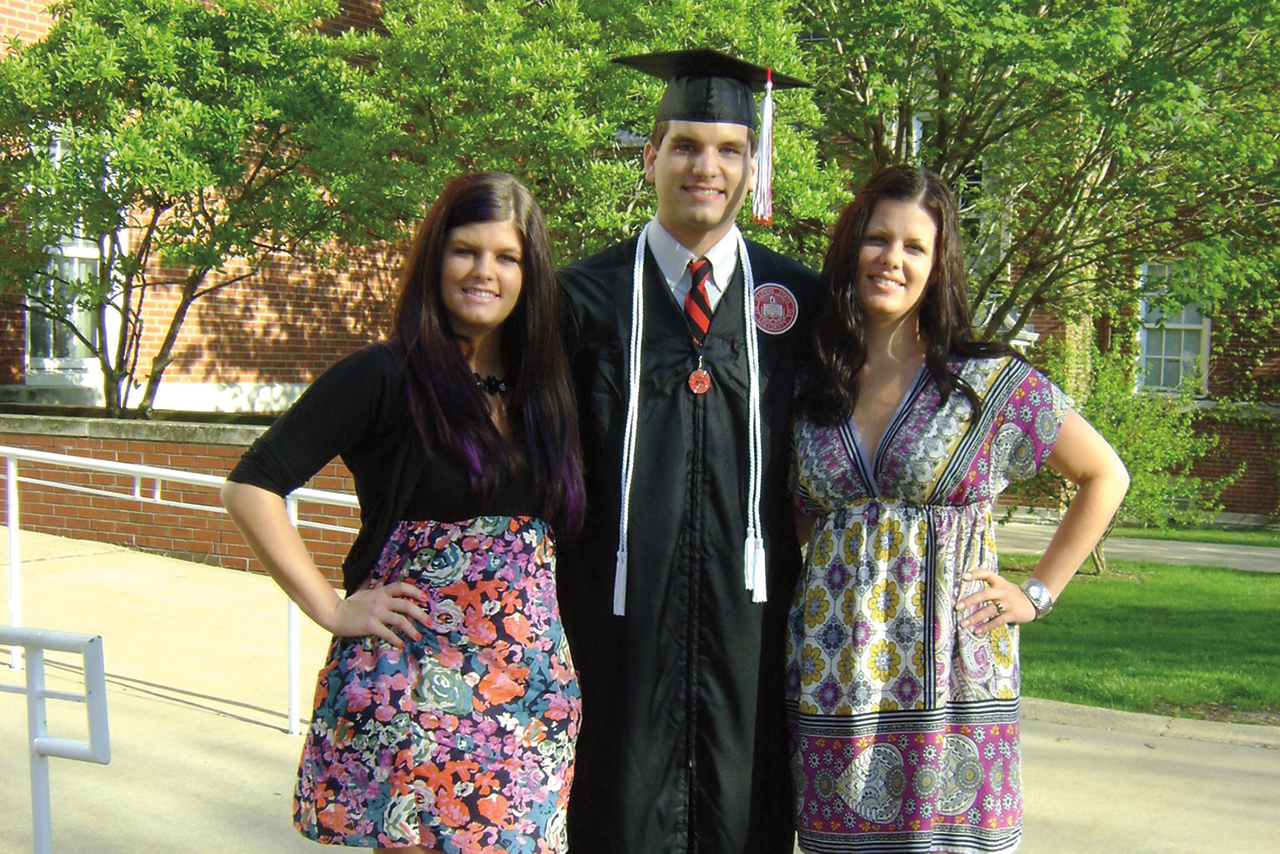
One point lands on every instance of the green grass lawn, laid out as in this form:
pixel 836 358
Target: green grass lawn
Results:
pixel 1149 637
pixel 1226 536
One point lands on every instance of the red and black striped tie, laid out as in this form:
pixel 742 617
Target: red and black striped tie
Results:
pixel 697 308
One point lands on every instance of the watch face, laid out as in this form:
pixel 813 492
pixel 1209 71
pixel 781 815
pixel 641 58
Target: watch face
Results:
pixel 1039 596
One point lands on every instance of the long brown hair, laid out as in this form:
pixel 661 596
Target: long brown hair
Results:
pixel 839 350
pixel 451 412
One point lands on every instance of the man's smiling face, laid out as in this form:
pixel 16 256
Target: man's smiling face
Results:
pixel 701 171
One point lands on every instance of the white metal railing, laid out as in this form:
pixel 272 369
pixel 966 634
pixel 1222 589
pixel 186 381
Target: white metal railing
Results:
pixel 40 744
pixel 157 476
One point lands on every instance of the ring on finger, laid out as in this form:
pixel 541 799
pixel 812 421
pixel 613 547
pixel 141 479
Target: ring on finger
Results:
pixel 999 607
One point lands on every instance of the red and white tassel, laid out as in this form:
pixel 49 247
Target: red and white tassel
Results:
pixel 762 193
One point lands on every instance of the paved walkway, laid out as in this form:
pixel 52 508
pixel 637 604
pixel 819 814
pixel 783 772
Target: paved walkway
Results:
pixel 195 660
pixel 1029 537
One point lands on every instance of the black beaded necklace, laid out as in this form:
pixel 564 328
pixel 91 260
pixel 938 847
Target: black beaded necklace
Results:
pixel 491 384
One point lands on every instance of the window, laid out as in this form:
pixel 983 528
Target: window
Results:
pixel 1175 343
pixel 51 345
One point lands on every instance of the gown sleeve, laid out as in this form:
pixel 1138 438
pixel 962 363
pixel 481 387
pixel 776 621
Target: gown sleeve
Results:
pixel 1024 434
pixel 339 412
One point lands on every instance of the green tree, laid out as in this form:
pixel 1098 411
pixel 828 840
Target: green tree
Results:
pixel 1084 138
pixel 193 143
pixel 529 88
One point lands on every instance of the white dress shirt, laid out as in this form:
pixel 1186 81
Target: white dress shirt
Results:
pixel 673 260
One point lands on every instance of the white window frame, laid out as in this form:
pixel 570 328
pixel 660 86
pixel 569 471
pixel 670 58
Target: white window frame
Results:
pixel 73 370
pixel 1150 273
pixel 83 251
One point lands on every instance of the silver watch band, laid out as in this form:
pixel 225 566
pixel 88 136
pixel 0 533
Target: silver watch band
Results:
pixel 1039 595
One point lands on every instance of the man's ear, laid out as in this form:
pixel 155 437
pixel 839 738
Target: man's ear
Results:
pixel 650 155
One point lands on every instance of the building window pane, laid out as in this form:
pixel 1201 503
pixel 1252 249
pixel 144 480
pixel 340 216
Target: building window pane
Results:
pixel 52 344
pixel 1173 346
pixel 1151 376
pixel 53 340
pixel 1155 342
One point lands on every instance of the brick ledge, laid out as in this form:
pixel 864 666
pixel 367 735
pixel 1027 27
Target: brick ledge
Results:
pixel 113 428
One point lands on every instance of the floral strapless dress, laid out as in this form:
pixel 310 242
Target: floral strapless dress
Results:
pixel 462 741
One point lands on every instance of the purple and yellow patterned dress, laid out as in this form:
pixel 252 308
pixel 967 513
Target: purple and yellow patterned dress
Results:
pixel 904 725
pixel 462 741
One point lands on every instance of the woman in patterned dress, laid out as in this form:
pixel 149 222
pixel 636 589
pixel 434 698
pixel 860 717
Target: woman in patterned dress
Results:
pixel 903 677
pixel 447 712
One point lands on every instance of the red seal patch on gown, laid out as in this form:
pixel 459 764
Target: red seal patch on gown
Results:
pixel 775 308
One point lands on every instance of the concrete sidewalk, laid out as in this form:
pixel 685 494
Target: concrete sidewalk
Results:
pixel 1031 538
pixel 195 660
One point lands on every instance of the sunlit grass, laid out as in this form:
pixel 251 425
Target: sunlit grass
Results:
pixel 1225 536
pixel 1149 636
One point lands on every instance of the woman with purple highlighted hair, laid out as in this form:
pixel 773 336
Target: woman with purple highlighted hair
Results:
pixel 447 712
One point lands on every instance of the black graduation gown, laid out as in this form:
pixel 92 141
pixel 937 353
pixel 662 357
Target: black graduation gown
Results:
pixel 683 746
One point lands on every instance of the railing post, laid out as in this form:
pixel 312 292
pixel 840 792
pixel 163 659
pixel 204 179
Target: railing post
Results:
pixel 15 553
pixel 40 744
pixel 295 639
pixel 41 812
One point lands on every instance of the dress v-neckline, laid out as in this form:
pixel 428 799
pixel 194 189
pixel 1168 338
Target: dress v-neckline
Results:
pixel 870 462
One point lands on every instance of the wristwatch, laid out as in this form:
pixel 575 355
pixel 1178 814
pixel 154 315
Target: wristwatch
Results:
pixel 1041 598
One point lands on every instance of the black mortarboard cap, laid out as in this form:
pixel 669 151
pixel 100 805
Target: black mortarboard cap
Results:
pixel 708 86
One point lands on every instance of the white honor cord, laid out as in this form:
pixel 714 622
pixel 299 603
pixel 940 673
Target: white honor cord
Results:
pixel 753 549
pixel 633 417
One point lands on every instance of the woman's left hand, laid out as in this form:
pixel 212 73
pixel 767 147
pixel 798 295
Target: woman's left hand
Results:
pixel 1002 602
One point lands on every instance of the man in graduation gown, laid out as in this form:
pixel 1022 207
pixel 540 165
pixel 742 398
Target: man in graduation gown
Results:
pixel 678 636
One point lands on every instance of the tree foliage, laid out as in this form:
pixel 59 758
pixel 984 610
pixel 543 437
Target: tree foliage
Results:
pixel 1084 138
pixel 199 140
pixel 191 143
pixel 530 89
pixel 1154 433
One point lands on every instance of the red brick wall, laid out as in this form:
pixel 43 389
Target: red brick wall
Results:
pixel 1256 445
pixel 189 534
pixel 285 325
pixel 358 15
pixel 24 20
pixel 1246 364
pixel 13 336
pixel 1246 357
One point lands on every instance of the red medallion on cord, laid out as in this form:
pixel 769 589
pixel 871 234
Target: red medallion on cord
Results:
pixel 775 308
pixel 699 381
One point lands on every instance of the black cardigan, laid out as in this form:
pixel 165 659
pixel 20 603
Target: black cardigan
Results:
pixel 359 410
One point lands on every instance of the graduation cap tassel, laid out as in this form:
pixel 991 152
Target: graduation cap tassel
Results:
pixel 762 193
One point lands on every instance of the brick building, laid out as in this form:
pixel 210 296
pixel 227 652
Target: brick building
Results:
pixel 252 347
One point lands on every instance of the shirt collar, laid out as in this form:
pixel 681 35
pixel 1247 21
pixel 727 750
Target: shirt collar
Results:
pixel 673 258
